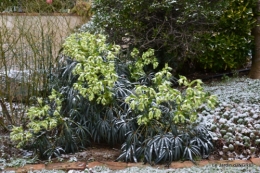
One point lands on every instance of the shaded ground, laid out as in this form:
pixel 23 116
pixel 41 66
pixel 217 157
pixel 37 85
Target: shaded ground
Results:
pixel 7 150
pixel 210 77
pixel 97 152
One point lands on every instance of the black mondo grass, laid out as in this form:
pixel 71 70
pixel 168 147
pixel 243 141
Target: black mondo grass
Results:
pixel 132 148
pixel 160 148
pixel 166 147
pixel 191 151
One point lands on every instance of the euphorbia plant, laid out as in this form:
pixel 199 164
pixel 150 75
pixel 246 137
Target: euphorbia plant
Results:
pixel 147 100
pixel 95 65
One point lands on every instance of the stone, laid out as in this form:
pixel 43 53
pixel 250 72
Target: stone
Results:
pixel 93 164
pixel 110 165
pixel 139 165
pixel 67 166
pixel 186 164
pixel 27 168
pixel 255 161
pixel 115 165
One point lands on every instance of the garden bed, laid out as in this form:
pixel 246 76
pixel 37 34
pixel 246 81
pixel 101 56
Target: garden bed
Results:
pixel 239 96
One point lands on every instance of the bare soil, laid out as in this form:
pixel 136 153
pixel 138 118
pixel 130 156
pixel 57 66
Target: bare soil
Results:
pixel 97 152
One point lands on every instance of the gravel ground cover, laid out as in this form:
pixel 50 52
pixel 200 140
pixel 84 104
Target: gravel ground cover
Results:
pixel 205 169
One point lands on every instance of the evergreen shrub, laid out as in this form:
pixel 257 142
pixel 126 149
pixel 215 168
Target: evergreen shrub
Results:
pixel 104 95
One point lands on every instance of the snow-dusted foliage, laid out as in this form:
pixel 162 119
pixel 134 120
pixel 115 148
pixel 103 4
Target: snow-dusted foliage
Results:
pixel 236 120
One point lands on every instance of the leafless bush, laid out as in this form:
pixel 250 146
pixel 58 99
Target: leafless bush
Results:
pixel 29 45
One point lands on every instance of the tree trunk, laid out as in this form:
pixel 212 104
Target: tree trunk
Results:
pixel 255 68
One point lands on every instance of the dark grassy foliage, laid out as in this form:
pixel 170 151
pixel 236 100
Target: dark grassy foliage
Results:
pixel 166 147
